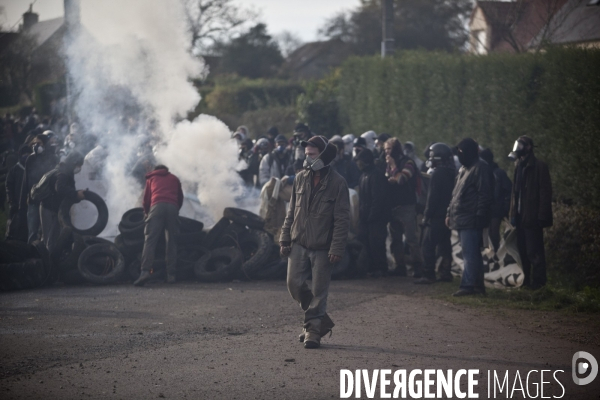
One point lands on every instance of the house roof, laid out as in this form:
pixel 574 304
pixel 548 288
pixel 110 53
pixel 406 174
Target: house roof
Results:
pixel 314 59
pixel 43 30
pixel 520 21
pixel 576 22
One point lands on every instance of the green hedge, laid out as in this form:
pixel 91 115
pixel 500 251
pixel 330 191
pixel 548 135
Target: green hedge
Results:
pixel 554 97
pixel 244 95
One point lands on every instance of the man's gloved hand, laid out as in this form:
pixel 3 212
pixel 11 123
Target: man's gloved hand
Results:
pixel 285 249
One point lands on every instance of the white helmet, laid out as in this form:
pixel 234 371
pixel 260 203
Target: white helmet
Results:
pixel 370 137
pixel 348 143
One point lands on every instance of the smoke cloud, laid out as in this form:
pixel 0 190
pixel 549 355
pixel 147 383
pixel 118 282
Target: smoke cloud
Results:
pixel 130 79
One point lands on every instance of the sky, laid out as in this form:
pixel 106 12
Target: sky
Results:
pixel 301 17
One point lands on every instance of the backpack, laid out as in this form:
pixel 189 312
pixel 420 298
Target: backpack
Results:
pixel 45 187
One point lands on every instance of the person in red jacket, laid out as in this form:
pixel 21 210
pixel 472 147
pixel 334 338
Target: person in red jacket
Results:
pixel 163 198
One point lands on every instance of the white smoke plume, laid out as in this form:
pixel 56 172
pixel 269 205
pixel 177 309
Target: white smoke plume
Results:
pixel 130 75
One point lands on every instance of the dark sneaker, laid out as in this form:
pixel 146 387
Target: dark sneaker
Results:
pixel 464 292
pixel 312 341
pixel 144 277
pixel 423 281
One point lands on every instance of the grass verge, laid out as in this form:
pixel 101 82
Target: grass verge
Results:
pixel 549 298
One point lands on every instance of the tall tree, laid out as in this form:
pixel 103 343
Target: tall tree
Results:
pixel 426 24
pixel 212 21
pixel 253 54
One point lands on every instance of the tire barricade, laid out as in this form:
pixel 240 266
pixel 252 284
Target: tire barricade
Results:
pixel 235 248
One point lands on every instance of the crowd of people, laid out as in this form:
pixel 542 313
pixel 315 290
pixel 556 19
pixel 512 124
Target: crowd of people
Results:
pixel 418 202
pixel 415 202
pixel 40 157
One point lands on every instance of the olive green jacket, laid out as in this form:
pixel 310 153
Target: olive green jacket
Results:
pixel 324 223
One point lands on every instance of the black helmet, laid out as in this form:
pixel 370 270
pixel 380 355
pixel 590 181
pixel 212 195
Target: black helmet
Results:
pixel 440 153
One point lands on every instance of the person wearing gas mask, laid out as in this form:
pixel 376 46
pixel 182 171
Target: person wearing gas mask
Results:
pixel 404 183
pixel 469 213
pixel 37 164
pixel 248 155
pixel 436 235
pixel 531 210
pixel 314 235
pixel 274 163
pixel 373 214
pixel 17 218
pixel 344 165
pixel 63 185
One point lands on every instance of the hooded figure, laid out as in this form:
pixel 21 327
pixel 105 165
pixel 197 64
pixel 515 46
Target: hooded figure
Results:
pixel 531 211
pixel 348 143
pixel 469 213
pixel 370 138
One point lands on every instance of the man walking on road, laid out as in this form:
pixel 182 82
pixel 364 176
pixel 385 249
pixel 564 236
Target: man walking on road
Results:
pixel 163 198
pixel 314 235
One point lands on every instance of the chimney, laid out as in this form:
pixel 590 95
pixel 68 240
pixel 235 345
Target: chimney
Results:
pixel 387 19
pixel 72 13
pixel 30 18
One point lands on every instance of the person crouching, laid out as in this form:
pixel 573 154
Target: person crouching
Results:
pixel 163 198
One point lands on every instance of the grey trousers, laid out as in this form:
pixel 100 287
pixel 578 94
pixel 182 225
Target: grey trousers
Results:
pixel 312 300
pixel 163 217
pixel 50 227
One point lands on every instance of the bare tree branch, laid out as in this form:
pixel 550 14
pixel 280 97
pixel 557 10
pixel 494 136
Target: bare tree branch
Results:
pixel 210 21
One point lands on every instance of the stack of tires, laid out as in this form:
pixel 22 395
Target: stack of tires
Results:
pixel 79 255
pixel 24 266
pixel 239 248
pixel 130 243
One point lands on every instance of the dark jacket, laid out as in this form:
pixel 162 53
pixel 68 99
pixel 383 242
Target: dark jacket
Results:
pixel 64 188
pixel 348 170
pixel 535 192
pixel 406 193
pixel 502 193
pixel 471 202
pixel 36 166
pixel 372 192
pixel 324 222
pixel 439 194
pixel 162 187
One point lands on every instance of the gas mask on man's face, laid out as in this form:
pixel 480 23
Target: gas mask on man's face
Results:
pixel 38 148
pixel 314 164
pixel 518 150
pixel 77 170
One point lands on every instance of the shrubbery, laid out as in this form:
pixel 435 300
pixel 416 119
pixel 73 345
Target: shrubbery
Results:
pixel 573 246
pixel 235 97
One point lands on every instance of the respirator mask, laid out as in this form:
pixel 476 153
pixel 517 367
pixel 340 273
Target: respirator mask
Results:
pixel 38 148
pixel 517 151
pixel 315 164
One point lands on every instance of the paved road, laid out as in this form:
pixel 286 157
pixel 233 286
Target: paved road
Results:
pixel 239 341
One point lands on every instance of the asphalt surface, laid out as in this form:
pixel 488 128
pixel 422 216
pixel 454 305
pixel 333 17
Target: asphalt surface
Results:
pixel 239 341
